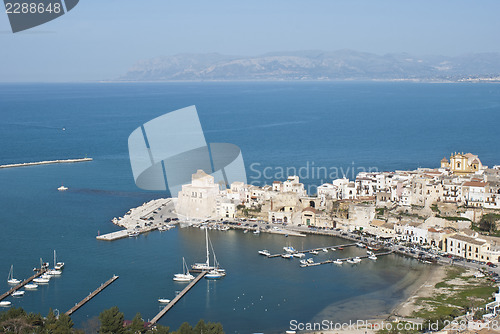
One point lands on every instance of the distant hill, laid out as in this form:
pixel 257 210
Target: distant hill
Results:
pixel 315 65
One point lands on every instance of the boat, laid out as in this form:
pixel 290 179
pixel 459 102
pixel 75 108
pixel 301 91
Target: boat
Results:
pixel 337 261
pixel 41 280
pixel 360 245
pixel 133 233
pixel 372 257
pixel 314 252
pixel 245 231
pixel 256 232
pixel 369 252
pixel 17 294
pixel 163 301
pixel 264 252
pixel 215 274
pixel 205 266
pixel 340 248
pixel 303 261
pixel 165 227
pixel 54 272
pixel 299 255
pixel 357 259
pixel 31 286
pixel 5 303
pixel 310 260
pixel 185 276
pixel 62 188
pixel 289 249
pixel 47 276
pixel 59 266
pixel 333 249
pixel 287 256
pixel 325 250
pixel 351 261
pixel 10 278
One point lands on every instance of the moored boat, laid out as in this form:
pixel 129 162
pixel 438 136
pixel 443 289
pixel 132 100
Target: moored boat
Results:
pixel 287 256
pixel 17 293
pixel 337 261
pixel 372 257
pixel 10 278
pixel 31 286
pixel 5 303
pixel 41 280
pixel 215 274
pixel 163 300
pixel 299 255
pixel 185 276
pixel 264 252
pixel 314 252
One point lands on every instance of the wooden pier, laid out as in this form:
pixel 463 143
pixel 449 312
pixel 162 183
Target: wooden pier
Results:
pixel 27 164
pixel 344 259
pixel 313 249
pixel 20 285
pixel 92 295
pixel 177 298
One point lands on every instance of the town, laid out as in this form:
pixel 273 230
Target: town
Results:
pixel 452 209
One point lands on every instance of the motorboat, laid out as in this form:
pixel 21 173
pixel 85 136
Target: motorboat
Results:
pixel 340 248
pixel 372 257
pixel 256 232
pixel 31 286
pixel 62 188
pixel 360 245
pixel 17 293
pixel 314 252
pixel 325 250
pixel 357 259
pixel 310 260
pixel 5 303
pixel 333 249
pixel 133 234
pixel 47 276
pixel 299 255
pixel 59 266
pixel 53 272
pixel 303 261
pixel 289 249
pixel 351 261
pixel 369 252
pixel 41 280
pixel 215 274
pixel 264 252
pixel 287 256
pixel 163 300
pixel 337 261
pixel 10 278
pixel 185 276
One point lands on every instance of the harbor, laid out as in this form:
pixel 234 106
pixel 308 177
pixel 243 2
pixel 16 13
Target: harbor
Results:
pixel 92 295
pixel 22 284
pixel 48 162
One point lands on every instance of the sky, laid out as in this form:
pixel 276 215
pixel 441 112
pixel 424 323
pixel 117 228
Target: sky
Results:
pixel 101 39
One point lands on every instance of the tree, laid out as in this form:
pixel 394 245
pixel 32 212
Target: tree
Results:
pixel 488 223
pixel 111 321
pixel 63 324
pixel 137 325
pixel 159 329
pixel 185 329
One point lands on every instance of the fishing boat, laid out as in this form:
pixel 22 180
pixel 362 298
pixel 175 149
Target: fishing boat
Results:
pixel 17 293
pixel 185 276
pixel 163 300
pixel 337 261
pixel 31 286
pixel 314 252
pixel 264 252
pixel 5 303
pixel 10 278
pixel 287 256
pixel 299 255
pixel 132 234
pixel 372 257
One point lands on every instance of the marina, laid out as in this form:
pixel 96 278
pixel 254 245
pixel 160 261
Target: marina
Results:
pixel 49 162
pixel 312 250
pixel 352 259
pixel 92 295
pixel 22 284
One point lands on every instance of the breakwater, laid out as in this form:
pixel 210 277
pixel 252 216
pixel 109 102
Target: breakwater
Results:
pixel 48 162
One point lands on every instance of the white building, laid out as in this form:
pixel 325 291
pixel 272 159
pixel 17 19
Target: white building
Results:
pixel 199 200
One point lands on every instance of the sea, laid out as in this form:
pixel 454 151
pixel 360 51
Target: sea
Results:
pixel 318 130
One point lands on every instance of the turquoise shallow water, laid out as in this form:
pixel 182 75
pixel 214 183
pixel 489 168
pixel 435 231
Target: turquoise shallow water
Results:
pixel 388 126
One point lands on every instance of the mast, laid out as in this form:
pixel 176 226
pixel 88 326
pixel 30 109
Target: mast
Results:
pixel 206 241
pixel 54 258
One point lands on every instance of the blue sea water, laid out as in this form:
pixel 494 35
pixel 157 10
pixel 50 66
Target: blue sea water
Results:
pixel 338 126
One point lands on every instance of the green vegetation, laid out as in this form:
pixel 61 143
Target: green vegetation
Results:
pixel 487 225
pixel 435 208
pixel 111 321
pixel 453 218
pixel 456 294
pixel 380 211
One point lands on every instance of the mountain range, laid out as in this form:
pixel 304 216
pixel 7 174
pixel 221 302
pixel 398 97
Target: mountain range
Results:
pixel 315 65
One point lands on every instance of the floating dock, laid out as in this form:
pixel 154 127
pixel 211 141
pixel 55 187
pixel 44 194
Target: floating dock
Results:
pixel 49 162
pixel 344 259
pixel 92 295
pixel 177 298
pixel 313 249
pixel 20 285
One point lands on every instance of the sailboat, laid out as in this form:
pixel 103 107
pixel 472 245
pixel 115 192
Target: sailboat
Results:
pixel 54 272
pixel 58 265
pixel 205 266
pixel 10 278
pixel 185 276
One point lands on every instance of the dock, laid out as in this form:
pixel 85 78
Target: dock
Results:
pixel 313 249
pixel 92 295
pixel 177 298
pixel 344 259
pixel 49 162
pixel 20 285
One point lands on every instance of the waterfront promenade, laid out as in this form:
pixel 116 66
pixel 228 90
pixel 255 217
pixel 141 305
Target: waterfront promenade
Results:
pixel 48 162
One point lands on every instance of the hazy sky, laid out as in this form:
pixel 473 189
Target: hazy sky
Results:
pixel 101 39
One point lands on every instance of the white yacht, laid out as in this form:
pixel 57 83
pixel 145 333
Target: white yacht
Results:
pixel 299 255
pixel 303 261
pixel 360 245
pixel 10 278
pixel 310 260
pixel 337 261
pixel 31 286
pixel 289 249
pixel 372 257
pixel 325 250
pixel 287 256
pixel 62 188
pixel 205 266
pixel 314 252
pixel 369 252
pixel 185 276
pixel 163 300
pixel 264 252
pixel 41 280
pixel 17 293
pixel 5 303
pixel 215 274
